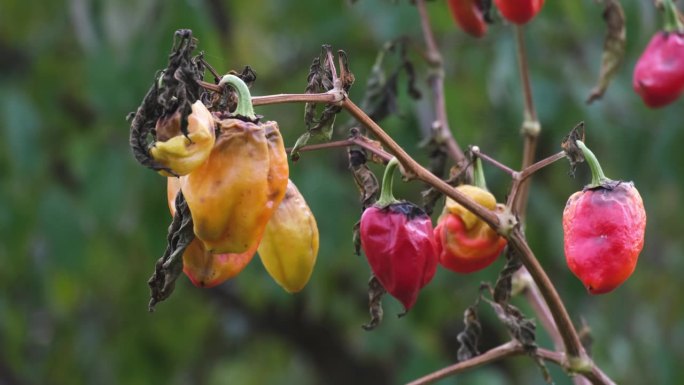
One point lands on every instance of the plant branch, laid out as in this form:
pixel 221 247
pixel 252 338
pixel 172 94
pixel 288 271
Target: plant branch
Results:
pixel 385 156
pixel 509 349
pixel 436 81
pixel 410 165
pixel 531 126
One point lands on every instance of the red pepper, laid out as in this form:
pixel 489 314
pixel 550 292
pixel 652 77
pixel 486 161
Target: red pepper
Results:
pixel 519 11
pixel 465 243
pixel 603 228
pixel 397 238
pixel 659 72
pixel 468 15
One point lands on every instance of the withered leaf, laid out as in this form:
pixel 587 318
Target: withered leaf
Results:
pixel 613 47
pixel 470 335
pixel 375 293
pixel 569 145
pixel 169 267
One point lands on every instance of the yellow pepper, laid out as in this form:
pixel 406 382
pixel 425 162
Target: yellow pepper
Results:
pixel 203 268
pixel 289 246
pixel 179 153
pixel 233 194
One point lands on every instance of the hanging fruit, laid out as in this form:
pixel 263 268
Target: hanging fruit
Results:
pixel 289 246
pixel 603 230
pixel 234 193
pixel 519 11
pixel 179 153
pixel 397 239
pixel 468 14
pixel 465 242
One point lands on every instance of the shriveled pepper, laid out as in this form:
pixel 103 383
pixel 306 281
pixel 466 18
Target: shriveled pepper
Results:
pixel 603 230
pixel 659 72
pixel 205 269
pixel 519 11
pixel 466 243
pixel 469 16
pixel 233 194
pixel 181 153
pixel 397 238
pixel 289 246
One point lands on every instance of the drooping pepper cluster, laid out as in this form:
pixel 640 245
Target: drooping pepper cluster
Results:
pixel 227 181
pixel 472 16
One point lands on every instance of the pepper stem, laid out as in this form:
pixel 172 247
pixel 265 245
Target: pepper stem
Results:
pixel 598 178
pixel 672 21
pixel 478 174
pixel 244 101
pixel 386 196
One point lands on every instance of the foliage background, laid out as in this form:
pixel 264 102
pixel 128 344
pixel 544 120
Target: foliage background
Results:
pixel 81 224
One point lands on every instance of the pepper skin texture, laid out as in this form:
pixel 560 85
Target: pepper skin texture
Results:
pixel 179 153
pixel 519 11
pixel 399 244
pixel 289 246
pixel 468 16
pixel 603 232
pixel 233 194
pixel 659 72
pixel 465 243
pixel 205 269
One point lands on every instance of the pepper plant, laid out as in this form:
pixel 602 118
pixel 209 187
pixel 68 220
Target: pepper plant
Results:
pixel 228 175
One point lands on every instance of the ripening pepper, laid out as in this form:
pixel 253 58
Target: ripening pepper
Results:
pixel 659 72
pixel 603 230
pixel 468 15
pixel 177 152
pixel 233 194
pixel 205 269
pixel 289 246
pixel 397 238
pixel 465 242
pixel 519 11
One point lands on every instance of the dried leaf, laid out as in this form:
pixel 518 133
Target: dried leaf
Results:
pixel 375 293
pixel 365 179
pixel 322 78
pixel 175 88
pixel 569 145
pixel 169 267
pixel 503 286
pixel 613 47
pixel 470 336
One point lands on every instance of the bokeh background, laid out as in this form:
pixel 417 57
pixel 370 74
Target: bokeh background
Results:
pixel 82 224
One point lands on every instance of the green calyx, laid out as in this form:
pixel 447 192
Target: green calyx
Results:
pixel 244 102
pixel 598 178
pixel 672 21
pixel 478 175
pixel 386 196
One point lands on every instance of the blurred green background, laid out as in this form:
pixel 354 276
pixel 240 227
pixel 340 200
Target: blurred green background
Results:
pixel 82 224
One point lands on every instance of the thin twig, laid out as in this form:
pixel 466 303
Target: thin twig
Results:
pixel 436 81
pixel 531 126
pixel 385 156
pixel 476 151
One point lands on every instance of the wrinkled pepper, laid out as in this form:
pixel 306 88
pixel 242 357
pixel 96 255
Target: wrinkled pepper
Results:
pixel 519 11
pixel 289 246
pixel 233 194
pixel 465 242
pixel 468 15
pixel 205 269
pixel 398 241
pixel 179 153
pixel 659 72
pixel 603 230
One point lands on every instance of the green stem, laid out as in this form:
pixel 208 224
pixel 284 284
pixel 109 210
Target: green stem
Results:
pixel 386 196
pixel 244 102
pixel 598 178
pixel 672 22
pixel 478 174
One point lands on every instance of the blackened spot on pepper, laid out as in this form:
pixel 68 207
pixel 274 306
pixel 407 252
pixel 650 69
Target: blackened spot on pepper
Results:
pixel 408 209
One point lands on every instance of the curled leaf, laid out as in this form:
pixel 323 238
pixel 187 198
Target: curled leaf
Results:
pixel 470 336
pixel 569 145
pixel 169 267
pixel 375 293
pixel 613 47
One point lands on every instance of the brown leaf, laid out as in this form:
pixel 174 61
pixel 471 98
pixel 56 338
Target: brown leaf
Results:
pixel 613 47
